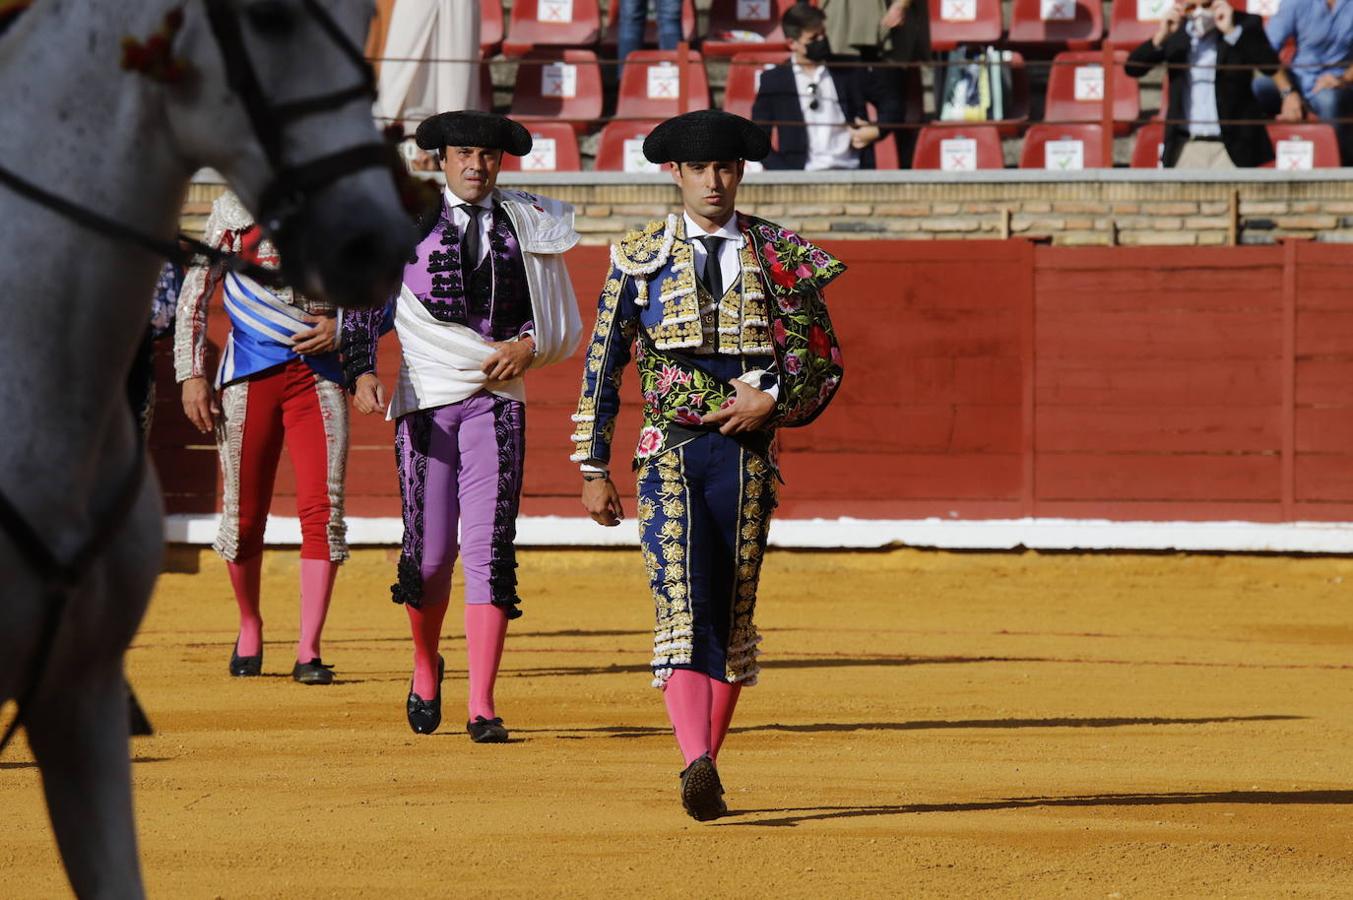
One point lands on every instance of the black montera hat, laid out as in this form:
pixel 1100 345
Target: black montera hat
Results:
pixel 470 128
pixel 705 136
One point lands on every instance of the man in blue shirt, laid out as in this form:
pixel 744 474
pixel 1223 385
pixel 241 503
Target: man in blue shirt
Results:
pixel 1323 30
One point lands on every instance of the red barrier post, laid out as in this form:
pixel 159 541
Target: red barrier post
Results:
pixel 1106 107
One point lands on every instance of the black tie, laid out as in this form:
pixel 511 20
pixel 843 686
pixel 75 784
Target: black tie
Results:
pixel 470 244
pixel 712 276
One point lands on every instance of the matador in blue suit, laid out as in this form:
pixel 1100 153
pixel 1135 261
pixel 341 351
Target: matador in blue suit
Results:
pixel 724 318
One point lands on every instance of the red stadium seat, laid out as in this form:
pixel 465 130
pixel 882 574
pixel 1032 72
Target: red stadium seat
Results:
pixel 1074 24
pixel 552 23
pixel 738 26
pixel 947 147
pixel 649 85
pixel 954 22
pixel 618 150
pixel 1076 90
pixel 1304 145
pixel 744 78
pixel 554 149
pixel 490 27
pixel 1061 155
pixel 612 36
pixel 558 85
pixel 1134 21
pixel 1148 146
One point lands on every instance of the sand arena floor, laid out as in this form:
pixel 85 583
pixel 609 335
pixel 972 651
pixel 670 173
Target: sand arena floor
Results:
pixel 927 723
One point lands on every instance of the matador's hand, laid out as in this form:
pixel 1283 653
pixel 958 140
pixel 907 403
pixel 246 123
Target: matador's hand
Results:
pixel 747 411
pixel 602 501
pixel 200 404
pixel 323 338
pixel 368 395
pixel 510 359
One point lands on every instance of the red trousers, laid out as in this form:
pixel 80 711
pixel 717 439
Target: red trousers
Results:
pixel 288 405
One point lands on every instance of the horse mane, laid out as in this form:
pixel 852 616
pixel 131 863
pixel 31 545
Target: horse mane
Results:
pixel 9 12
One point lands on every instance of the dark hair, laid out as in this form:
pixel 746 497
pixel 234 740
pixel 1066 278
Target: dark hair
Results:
pixel 799 18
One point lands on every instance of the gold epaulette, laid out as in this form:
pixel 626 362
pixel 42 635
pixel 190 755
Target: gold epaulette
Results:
pixel 645 251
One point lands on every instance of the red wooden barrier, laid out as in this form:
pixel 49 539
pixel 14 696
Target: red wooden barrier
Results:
pixel 996 379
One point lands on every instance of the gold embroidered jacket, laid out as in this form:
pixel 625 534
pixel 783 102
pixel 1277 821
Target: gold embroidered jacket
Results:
pixel 688 345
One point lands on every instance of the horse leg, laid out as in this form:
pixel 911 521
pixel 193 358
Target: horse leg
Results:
pixel 78 722
pixel 79 740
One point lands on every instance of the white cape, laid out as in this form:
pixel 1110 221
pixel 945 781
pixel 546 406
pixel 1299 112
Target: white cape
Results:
pixel 442 361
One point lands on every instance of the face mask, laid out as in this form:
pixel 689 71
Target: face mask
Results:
pixel 818 50
pixel 1201 22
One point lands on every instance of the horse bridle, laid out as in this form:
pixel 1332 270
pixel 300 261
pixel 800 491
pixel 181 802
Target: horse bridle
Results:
pixel 285 198
pixel 282 203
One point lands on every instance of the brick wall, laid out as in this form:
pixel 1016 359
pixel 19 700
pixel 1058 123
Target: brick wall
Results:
pixel 1106 208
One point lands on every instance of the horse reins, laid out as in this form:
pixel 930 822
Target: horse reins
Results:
pixel 281 202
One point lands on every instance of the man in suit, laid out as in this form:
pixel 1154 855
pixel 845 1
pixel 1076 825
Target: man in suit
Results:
pixel 826 104
pixel 1200 40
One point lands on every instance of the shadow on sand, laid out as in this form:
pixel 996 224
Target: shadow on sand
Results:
pixel 635 731
pixel 791 817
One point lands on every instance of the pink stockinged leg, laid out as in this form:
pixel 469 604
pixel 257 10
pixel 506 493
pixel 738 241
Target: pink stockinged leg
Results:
pixel 426 625
pixel 724 698
pixel 245 576
pixel 485 631
pixel 688 698
pixel 317 586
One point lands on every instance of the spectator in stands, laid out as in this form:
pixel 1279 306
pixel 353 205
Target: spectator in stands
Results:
pixel 878 29
pixel 819 109
pixel 634 16
pixel 1199 40
pixel 1323 32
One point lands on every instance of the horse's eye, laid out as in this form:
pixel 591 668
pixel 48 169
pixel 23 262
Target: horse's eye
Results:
pixel 271 17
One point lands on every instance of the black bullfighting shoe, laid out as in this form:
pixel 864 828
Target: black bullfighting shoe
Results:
pixel 701 790
pixel 245 666
pixel 313 672
pixel 426 715
pixel 487 731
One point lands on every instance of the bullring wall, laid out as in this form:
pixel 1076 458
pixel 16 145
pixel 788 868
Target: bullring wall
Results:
pixel 995 380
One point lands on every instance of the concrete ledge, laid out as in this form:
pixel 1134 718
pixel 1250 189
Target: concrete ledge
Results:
pixel 867 534
pixel 914 176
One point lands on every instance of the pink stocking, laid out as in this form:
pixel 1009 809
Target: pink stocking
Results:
pixel 426 625
pixel 724 699
pixel 317 586
pixel 687 695
pixel 244 578
pixel 485 631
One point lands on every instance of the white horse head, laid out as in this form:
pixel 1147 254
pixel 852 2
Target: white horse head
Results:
pixel 277 99
pixel 271 94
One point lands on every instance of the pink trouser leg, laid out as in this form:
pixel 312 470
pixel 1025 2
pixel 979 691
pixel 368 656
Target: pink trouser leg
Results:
pixel 688 698
pixel 485 631
pixel 317 586
pixel 244 578
pixel 724 697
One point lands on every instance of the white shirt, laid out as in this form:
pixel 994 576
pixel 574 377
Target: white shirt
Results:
pixel 828 137
pixel 461 218
pixel 730 249
pixel 1200 101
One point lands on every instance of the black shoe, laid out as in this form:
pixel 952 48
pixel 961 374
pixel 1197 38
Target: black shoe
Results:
pixel 245 666
pixel 701 790
pixel 313 672
pixel 426 715
pixel 487 731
